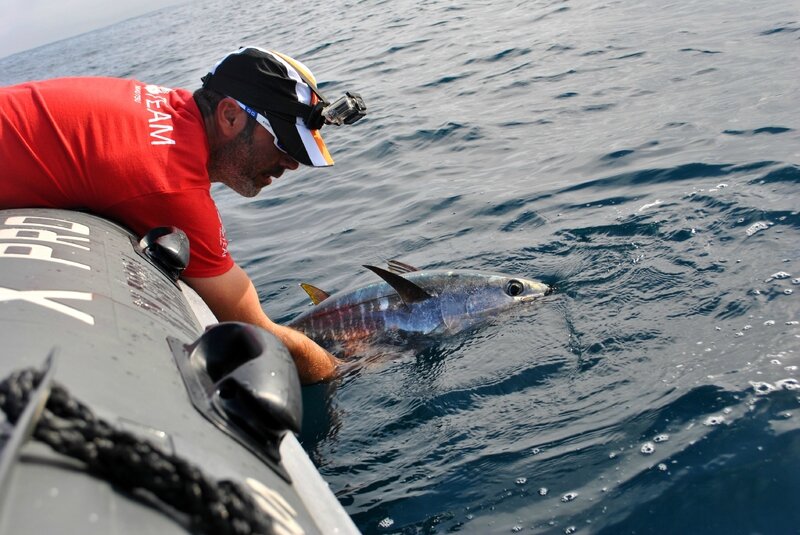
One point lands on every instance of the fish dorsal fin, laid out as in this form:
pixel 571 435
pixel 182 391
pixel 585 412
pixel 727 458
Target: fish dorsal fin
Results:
pixel 395 266
pixel 407 290
pixel 317 296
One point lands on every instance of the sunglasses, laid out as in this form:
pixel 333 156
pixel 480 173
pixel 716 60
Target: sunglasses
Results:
pixel 263 121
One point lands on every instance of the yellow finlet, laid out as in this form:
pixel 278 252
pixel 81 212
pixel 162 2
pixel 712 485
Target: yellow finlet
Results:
pixel 317 296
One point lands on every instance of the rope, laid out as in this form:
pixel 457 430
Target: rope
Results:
pixel 69 427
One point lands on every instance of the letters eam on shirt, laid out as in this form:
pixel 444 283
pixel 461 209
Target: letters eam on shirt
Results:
pixel 27 238
pixel 160 123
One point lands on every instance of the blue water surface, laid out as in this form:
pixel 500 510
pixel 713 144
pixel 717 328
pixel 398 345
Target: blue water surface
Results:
pixel 643 157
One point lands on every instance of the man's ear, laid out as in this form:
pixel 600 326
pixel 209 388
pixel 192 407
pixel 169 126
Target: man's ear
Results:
pixel 230 118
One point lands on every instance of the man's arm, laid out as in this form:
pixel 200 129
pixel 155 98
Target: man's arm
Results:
pixel 232 297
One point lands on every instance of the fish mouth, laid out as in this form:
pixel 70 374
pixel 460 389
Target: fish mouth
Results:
pixel 546 290
pixel 530 298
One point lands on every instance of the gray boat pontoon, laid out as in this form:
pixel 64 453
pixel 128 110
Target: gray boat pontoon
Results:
pixel 158 419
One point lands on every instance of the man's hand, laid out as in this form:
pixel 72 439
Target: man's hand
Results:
pixel 232 297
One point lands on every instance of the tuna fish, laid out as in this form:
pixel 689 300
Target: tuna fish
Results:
pixel 409 302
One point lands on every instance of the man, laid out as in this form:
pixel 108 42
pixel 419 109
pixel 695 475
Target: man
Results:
pixel 145 156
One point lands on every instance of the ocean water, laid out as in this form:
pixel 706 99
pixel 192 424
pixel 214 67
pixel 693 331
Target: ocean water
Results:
pixel 643 157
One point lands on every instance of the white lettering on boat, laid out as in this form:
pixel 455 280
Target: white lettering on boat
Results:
pixel 43 298
pixel 272 503
pixel 47 222
pixel 15 244
pixel 35 251
pixel 31 230
pixel 47 236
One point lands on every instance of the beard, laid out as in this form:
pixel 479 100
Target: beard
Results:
pixel 234 164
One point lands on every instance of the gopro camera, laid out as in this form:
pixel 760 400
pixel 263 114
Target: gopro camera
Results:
pixel 347 109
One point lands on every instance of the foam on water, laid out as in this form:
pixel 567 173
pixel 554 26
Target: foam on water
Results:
pixel 569 496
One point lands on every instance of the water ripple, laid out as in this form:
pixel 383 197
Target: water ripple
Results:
pixel 757 131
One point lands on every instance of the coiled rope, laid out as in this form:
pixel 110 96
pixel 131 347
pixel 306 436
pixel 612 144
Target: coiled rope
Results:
pixel 130 463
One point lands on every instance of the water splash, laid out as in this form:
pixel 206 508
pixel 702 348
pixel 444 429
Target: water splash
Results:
pixel 757 227
pixel 714 420
pixel 569 496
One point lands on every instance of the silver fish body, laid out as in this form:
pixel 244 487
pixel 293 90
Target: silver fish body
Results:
pixel 421 302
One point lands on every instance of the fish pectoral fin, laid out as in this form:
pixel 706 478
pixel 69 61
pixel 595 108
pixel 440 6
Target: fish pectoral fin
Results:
pixel 395 266
pixel 407 290
pixel 317 296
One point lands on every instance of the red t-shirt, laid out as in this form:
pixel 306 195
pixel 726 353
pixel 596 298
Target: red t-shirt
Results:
pixel 132 152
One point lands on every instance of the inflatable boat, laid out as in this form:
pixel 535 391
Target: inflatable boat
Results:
pixel 127 408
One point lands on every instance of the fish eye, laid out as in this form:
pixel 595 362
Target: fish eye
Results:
pixel 514 288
